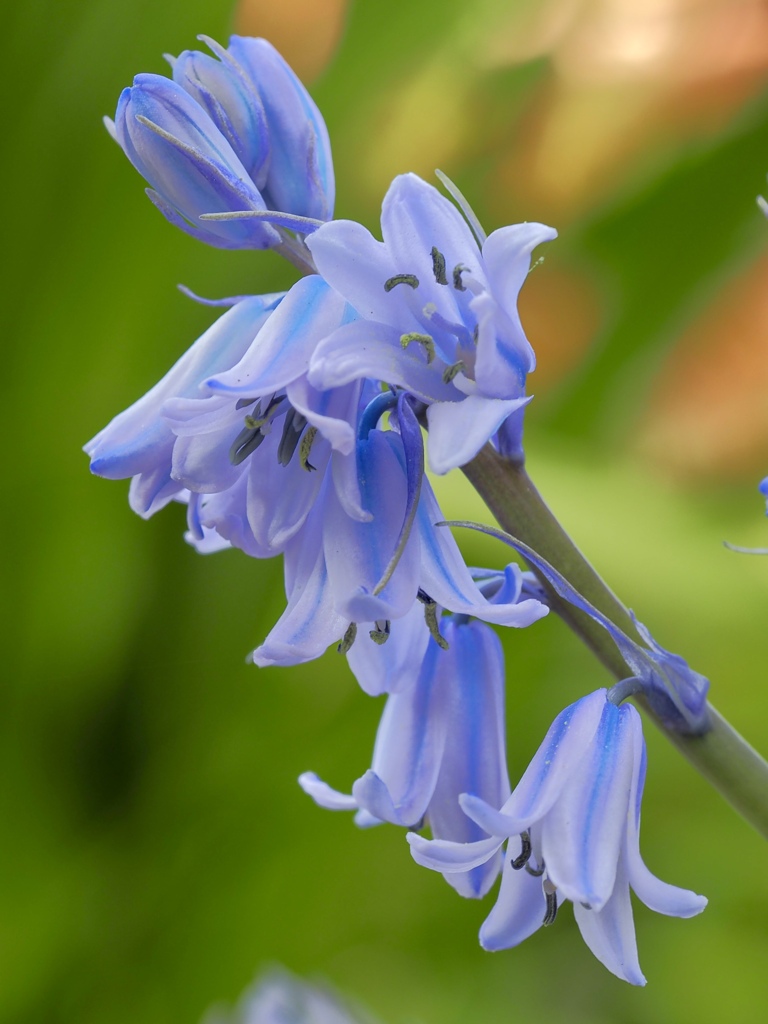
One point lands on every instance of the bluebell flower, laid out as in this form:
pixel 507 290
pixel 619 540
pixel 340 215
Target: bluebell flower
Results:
pixel 231 138
pixel 138 442
pixel 573 826
pixel 236 431
pixel 440 736
pixel 341 576
pixel 438 315
pixel 281 998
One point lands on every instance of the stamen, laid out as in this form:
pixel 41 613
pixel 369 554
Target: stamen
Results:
pixel 458 284
pixel 380 634
pixel 536 872
pixel 476 333
pixel 348 639
pixel 246 442
pixel 551 894
pixel 438 266
pixel 410 279
pixel 305 447
pixel 292 427
pixel 243 403
pixel 425 340
pixel 430 618
pixel 525 853
pixel 450 371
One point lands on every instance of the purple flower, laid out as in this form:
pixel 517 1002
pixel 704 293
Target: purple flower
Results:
pixel 438 315
pixel 228 137
pixel 573 825
pixel 440 736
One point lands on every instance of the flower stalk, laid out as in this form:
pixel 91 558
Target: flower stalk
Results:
pixel 721 755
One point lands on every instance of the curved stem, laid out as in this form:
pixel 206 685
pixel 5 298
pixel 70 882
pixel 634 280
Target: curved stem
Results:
pixel 722 756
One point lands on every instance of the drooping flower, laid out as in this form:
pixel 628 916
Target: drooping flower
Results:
pixel 438 316
pixel 573 825
pixel 281 998
pixel 343 572
pixel 237 135
pixel 234 428
pixel 440 736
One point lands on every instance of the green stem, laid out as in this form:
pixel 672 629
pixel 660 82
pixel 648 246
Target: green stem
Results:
pixel 722 756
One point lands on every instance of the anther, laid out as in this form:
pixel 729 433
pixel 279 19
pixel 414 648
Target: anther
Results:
pixel 425 340
pixel 431 620
pixel 243 403
pixel 536 872
pixel 380 634
pixel 292 427
pixel 475 334
pixel 410 279
pixel 305 447
pixel 525 853
pixel 348 639
pixel 458 284
pixel 450 371
pixel 246 442
pixel 551 912
pixel 438 266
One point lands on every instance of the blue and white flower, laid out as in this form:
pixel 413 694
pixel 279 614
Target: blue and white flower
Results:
pixel 573 825
pixel 236 141
pixel 438 316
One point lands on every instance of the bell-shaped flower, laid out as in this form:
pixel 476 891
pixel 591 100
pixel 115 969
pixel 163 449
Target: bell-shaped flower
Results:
pixel 440 737
pixel 438 315
pixel 139 442
pixel 573 825
pixel 236 141
pixel 371 571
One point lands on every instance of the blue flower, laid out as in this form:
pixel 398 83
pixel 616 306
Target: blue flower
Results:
pixel 346 572
pixel 573 825
pixel 439 736
pixel 138 442
pixel 232 138
pixel 438 311
pixel 236 430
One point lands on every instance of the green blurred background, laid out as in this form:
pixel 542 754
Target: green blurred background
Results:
pixel 157 849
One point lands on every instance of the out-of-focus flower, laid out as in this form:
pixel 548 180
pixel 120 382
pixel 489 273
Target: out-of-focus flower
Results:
pixel 438 308
pixel 441 735
pixel 235 136
pixel 281 998
pixel 573 824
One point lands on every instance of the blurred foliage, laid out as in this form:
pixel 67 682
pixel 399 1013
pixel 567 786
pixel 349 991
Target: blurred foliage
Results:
pixel 157 847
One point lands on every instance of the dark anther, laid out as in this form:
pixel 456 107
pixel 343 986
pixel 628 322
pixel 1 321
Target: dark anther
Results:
pixel 475 334
pixel 458 284
pixel 430 617
pixel 292 427
pixel 551 914
pixel 450 371
pixel 410 279
pixel 380 634
pixel 438 266
pixel 247 441
pixel 243 403
pixel 536 872
pixel 348 639
pixel 525 853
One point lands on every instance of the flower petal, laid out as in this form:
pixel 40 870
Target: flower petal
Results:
pixel 324 795
pixel 518 912
pixel 444 856
pixel 458 430
pixel 610 932
pixel 583 833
